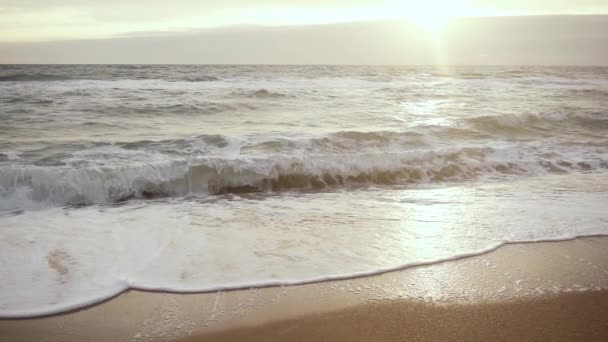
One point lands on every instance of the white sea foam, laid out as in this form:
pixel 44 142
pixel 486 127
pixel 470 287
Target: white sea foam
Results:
pixel 57 259
pixel 12 155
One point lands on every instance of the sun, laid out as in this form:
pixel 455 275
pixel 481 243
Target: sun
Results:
pixel 430 15
pixel 432 23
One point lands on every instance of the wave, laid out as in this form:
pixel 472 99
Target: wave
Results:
pixel 41 77
pixel 532 123
pixel 32 78
pixel 589 93
pixel 341 142
pixel 56 185
pixel 460 75
pixel 199 144
pixel 80 153
pixel 203 78
pixel 149 109
pixel 259 94
pixel 29 100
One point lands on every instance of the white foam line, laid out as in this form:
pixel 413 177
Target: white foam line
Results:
pixel 359 274
pixel 56 309
pixel 62 308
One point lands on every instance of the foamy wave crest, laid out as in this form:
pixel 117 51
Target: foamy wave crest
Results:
pixel 25 186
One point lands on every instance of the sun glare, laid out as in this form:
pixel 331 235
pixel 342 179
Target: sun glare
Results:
pixel 430 22
pixel 430 16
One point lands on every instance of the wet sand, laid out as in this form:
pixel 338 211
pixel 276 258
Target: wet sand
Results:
pixel 538 291
pixel 565 317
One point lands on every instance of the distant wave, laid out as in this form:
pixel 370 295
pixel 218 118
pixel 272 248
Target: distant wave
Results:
pixel 22 77
pixel 590 93
pixel 30 100
pixel 260 94
pixel 202 78
pixel 32 78
pixel 533 122
pixel 263 93
pixel 176 108
pixel 58 185
pixel 462 75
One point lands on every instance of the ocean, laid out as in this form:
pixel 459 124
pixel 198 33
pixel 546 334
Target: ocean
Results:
pixel 192 178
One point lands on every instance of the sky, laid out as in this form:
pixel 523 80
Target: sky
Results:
pixel 70 31
pixel 43 20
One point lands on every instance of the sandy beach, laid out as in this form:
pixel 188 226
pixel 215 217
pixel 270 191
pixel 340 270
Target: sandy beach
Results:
pixel 565 317
pixel 538 291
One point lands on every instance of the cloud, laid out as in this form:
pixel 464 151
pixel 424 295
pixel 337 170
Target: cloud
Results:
pixel 43 20
pixel 537 40
pixel 34 20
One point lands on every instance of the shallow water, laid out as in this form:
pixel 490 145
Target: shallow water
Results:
pixel 196 178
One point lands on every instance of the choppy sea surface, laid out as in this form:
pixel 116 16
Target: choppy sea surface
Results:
pixel 200 178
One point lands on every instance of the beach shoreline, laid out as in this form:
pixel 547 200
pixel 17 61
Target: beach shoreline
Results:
pixel 562 317
pixel 520 291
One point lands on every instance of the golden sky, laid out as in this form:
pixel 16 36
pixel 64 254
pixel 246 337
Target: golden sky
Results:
pixel 44 20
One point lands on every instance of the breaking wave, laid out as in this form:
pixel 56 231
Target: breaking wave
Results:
pixel 59 185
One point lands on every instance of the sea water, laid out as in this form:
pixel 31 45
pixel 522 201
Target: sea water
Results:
pixel 200 178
